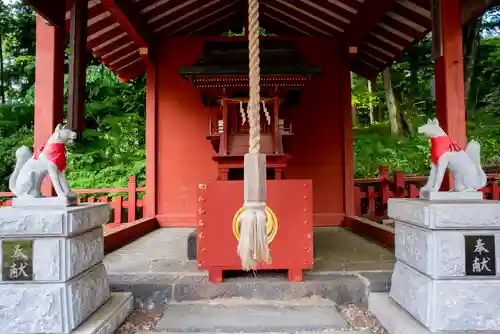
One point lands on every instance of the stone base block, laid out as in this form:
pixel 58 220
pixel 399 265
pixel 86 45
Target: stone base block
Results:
pixel 24 222
pixel 451 195
pixel 437 253
pixel 471 214
pixel 447 305
pixel 52 307
pixel 109 316
pixel 392 316
pixel 43 202
pixel 60 259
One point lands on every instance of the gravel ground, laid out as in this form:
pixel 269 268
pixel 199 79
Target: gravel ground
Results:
pixel 140 321
pixel 360 319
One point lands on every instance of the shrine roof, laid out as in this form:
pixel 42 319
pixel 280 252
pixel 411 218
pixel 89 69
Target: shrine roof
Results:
pixel 120 31
pixel 231 59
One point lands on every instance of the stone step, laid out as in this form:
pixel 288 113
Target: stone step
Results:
pixel 237 315
pixel 155 292
pixel 301 332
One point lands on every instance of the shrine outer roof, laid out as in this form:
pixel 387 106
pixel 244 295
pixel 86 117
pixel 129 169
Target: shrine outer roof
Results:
pixel 120 30
pixel 231 59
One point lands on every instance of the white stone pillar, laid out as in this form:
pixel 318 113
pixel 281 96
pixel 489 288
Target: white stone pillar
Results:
pixel 447 275
pixel 52 278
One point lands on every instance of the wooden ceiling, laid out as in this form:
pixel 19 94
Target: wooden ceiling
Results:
pixel 381 29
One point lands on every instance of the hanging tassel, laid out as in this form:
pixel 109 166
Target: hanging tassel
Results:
pixel 243 115
pixel 268 117
pixel 253 243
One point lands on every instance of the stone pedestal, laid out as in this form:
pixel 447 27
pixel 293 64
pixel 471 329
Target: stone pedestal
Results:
pixel 52 278
pixel 447 275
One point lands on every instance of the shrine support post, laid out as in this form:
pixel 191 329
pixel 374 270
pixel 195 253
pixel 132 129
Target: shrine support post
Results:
pixel 49 84
pixel 77 65
pixel 449 72
pixel 150 205
pixel 348 145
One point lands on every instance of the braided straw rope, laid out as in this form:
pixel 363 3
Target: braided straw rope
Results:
pixel 253 244
pixel 254 76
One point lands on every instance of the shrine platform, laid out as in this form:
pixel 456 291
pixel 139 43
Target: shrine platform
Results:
pixel 156 269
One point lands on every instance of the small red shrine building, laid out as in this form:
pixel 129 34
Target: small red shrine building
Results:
pixel 194 127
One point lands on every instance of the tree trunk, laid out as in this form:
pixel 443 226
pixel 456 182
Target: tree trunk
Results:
pixel 354 110
pixel 2 92
pixel 390 100
pixel 370 105
pixel 404 118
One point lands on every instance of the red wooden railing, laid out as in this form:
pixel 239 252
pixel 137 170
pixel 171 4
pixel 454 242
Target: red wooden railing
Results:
pixel 372 194
pixel 126 203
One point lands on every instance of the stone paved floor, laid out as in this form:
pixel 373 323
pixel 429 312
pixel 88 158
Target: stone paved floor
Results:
pixel 163 252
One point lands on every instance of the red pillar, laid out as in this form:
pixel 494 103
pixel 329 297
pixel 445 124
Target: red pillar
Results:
pixel 49 83
pixel 449 71
pixel 151 140
pixel 348 146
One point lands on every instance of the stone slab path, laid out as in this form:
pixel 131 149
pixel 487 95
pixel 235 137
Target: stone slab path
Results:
pixel 250 316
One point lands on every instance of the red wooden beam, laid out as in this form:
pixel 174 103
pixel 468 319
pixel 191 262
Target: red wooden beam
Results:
pixel 366 19
pixel 128 18
pixel 49 83
pixel 362 69
pixel 77 65
pixel 126 233
pixel 208 18
pixel 150 207
pixel 449 70
pixel 280 28
pixel 131 71
pixel 348 144
pixel 52 11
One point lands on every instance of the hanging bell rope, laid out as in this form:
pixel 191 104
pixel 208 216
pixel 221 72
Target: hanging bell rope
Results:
pixel 253 245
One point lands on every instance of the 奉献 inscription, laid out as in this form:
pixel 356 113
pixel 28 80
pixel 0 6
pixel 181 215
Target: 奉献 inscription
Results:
pixel 480 255
pixel 17 260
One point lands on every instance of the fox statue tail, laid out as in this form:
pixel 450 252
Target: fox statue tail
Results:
pixel 23 154
pixel 473 150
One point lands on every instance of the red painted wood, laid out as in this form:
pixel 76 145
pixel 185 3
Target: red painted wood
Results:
pixel 375 192
pixel 276 131
pixel 224 142
pixel 52 11
pixel 131 23
pixel 126 233
pixel 132 198
pixel 49 85
pixel 291 201
pixel 348 145
pixel 185 156
pixel 383 236
pixel 77 65
pixel 369 15
pixel 115 202
pixel 150 208
pixel 449 72
pixel 303 20
pixel 118 209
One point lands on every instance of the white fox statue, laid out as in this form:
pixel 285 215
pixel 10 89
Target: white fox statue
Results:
pixel 26 180
pixel 468 175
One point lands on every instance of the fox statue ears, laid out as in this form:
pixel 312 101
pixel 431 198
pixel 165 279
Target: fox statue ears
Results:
pixel 433 121
pixel 60 127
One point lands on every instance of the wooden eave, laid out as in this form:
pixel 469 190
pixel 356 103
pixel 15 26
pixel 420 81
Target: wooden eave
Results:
pixel 235 81
pixel 380 29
